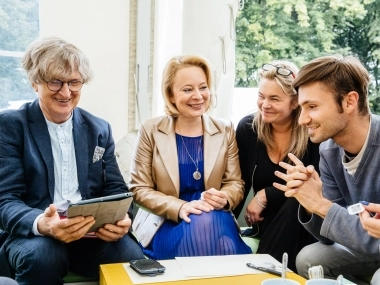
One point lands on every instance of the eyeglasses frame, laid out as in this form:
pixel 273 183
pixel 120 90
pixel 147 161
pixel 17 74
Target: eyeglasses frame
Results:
pixel 63 82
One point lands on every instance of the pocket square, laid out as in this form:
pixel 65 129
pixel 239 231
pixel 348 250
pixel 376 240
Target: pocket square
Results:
pixel 98 153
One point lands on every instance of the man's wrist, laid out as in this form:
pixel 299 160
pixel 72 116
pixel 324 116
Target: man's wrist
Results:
pixel 35 225
pixel 323 208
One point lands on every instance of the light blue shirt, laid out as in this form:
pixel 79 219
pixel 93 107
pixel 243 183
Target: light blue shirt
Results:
pixel 66 186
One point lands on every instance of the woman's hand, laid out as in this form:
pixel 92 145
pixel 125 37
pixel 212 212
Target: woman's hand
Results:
pixel 253 211
pixel 215 198
pixel 194 207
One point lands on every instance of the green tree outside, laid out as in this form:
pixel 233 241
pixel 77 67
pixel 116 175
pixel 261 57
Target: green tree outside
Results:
pixel 301 30
pixel 19 25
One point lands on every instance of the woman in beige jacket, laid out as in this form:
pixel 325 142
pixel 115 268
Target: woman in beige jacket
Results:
pixel 185 171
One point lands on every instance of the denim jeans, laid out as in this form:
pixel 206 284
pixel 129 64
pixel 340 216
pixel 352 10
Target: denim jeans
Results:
pixel 44 260
pixel 335 259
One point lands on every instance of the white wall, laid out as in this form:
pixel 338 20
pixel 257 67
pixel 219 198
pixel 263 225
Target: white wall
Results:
pixel 168 43
pixel 195 27
pixel 205 23
pixel 100 30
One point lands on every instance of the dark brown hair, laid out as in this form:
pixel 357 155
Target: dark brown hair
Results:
pixel 339 74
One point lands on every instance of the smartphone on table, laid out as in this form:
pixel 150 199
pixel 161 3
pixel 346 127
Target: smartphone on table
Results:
pixel 148 267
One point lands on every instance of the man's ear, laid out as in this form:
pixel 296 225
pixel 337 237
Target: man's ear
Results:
pixel 35 87
pixel 350 101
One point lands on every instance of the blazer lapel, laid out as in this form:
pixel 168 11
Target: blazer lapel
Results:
pixel 80 133
pixel 164 137
pixel 213 140
pixel 40 134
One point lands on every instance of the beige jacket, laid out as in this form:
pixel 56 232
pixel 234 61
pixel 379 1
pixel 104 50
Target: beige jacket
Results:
pixel 154 167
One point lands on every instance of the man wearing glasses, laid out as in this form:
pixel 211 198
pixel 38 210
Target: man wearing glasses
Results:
pixel 52 152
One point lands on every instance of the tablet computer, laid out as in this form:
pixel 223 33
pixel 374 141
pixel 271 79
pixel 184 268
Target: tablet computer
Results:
pixel 105 210
pixel 115 197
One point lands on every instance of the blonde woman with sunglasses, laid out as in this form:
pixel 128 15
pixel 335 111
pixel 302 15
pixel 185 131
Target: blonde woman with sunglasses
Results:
pixel 264 139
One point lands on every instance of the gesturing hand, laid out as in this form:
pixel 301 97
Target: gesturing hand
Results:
pixel 304 184
pixel 295 175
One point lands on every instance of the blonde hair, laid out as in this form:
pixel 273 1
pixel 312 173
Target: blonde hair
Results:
pixel 169 74
pixel 54 58
pixel 299 136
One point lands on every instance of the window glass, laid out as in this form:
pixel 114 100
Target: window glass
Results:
pixel 19 25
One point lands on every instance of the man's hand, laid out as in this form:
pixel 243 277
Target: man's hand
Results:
pixel 194 207
pixel 371 224
pixel 112 232
pixel 215 198
pixel 65 230
pixel 304 184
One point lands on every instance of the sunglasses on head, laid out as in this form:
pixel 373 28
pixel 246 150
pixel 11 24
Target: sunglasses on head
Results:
pixel 280 70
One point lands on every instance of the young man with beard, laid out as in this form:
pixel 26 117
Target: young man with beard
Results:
pixel 333 95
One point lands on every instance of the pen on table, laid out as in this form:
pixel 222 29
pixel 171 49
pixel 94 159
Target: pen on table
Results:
pixel 264 269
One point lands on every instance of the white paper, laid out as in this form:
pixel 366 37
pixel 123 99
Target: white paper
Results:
pixel 172 273
pixel 186 268
pixel 226 265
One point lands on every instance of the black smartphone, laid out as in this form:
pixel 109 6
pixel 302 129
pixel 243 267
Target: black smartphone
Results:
pixel 149 267
pixel 264 269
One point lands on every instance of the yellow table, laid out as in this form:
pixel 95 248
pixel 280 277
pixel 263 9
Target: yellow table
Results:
pixel 115 274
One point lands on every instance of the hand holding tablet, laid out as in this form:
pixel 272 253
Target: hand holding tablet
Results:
pixel 105 210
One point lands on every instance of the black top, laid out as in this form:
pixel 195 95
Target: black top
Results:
pixel 279 231
pixel 254 156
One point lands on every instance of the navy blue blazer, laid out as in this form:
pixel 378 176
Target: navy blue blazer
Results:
pixel 27 171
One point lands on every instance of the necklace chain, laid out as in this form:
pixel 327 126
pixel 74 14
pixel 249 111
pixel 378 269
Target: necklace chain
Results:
pixel 196 174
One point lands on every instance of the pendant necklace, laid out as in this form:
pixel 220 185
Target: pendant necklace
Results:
pixel 196 174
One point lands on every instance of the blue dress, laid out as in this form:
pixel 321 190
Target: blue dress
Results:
pixel 213 233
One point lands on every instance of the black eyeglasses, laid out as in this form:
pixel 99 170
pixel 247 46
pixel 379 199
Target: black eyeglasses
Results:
pixel 280 70
pixel 56 85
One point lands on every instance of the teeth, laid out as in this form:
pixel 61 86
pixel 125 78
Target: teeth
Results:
pixel 63 101
pixel 196 105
